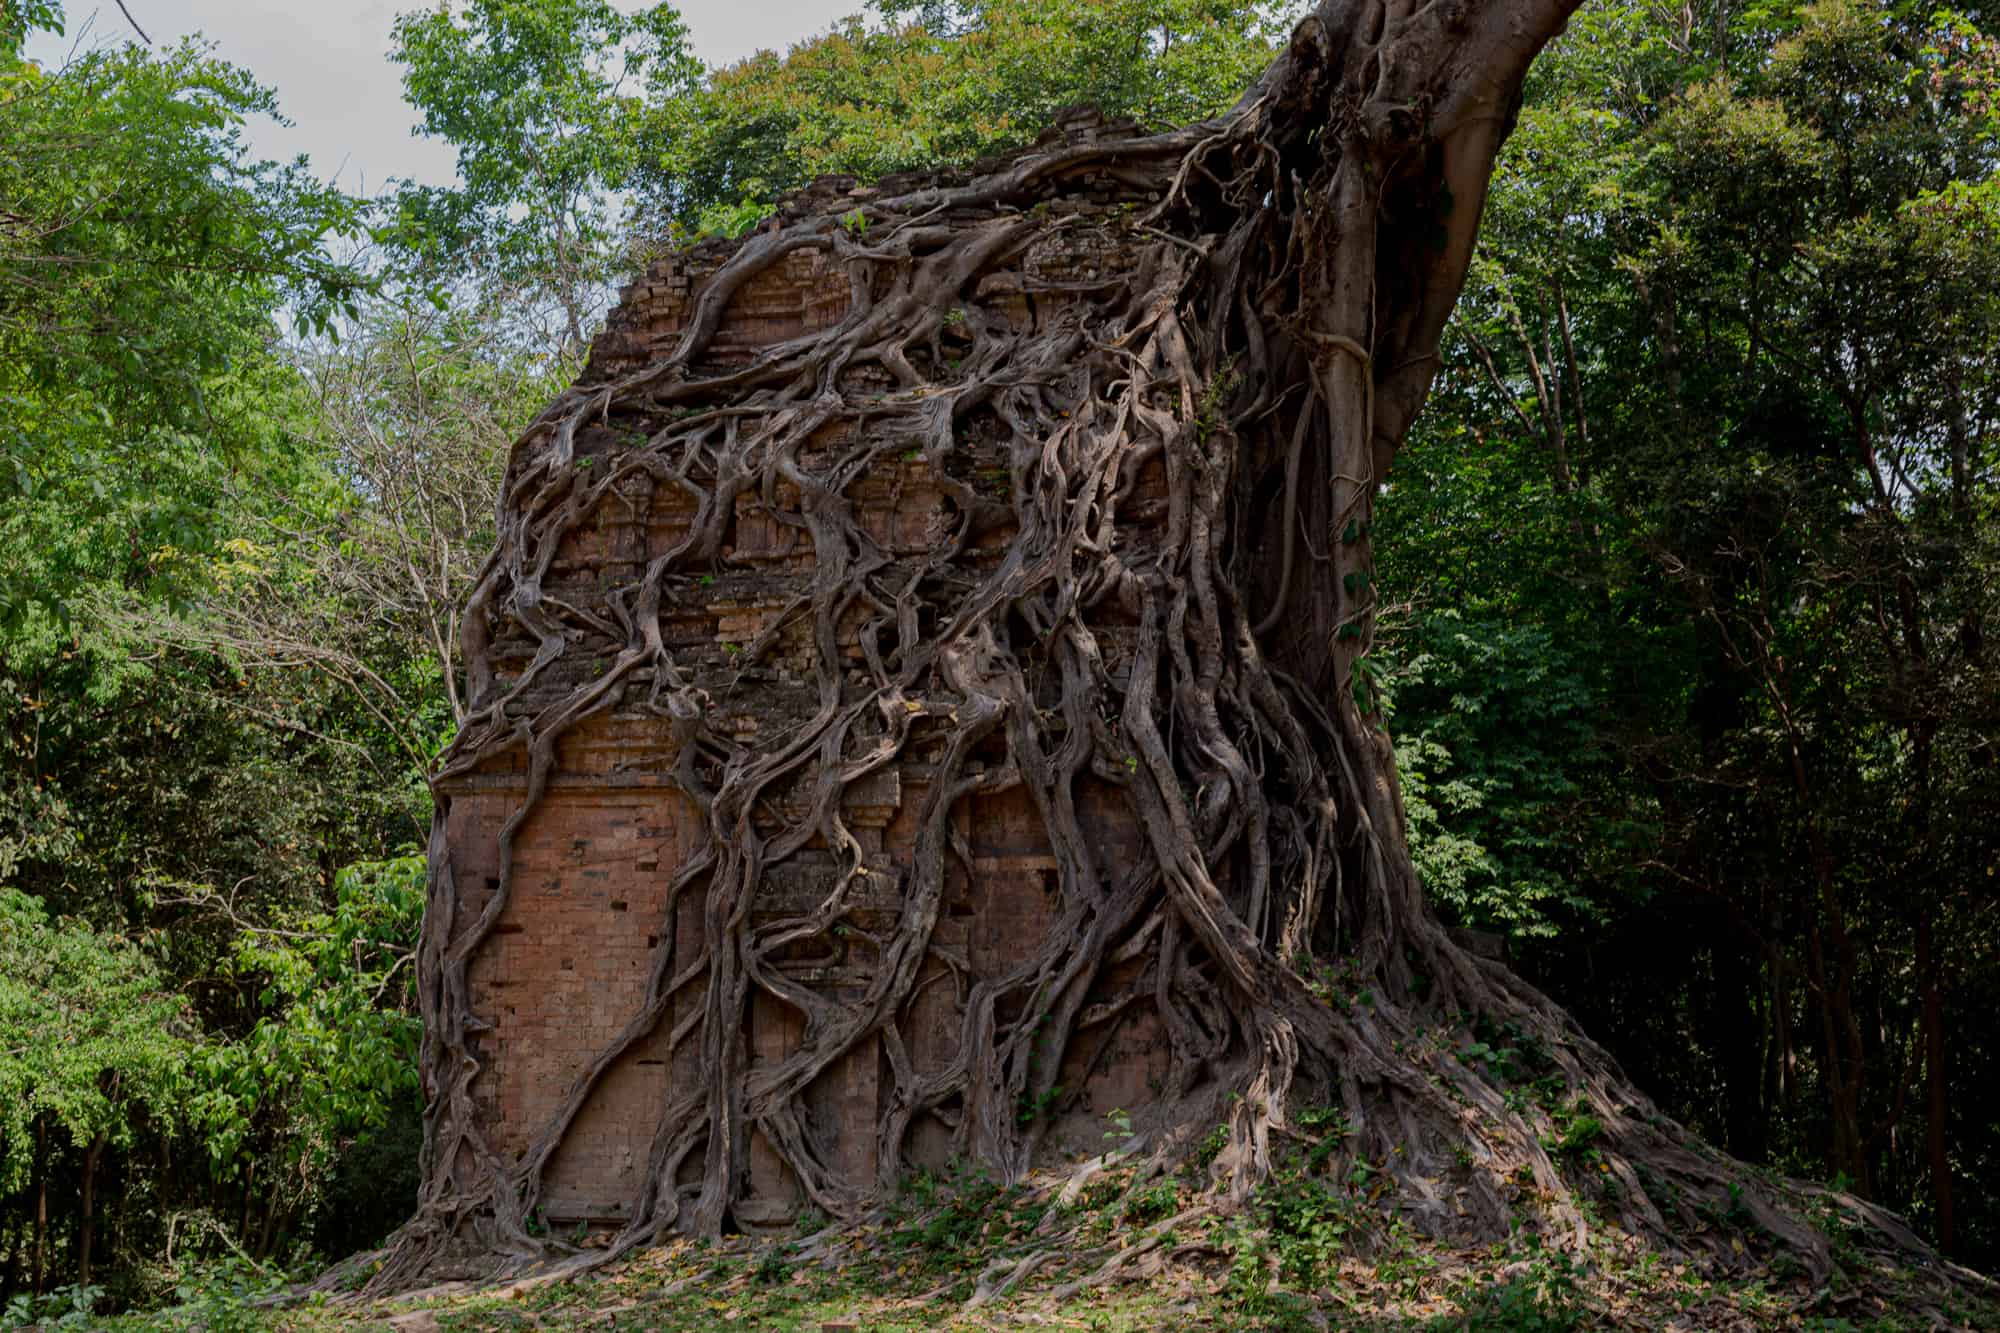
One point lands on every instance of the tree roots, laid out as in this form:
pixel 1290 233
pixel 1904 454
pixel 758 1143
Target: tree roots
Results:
pixel 1156 583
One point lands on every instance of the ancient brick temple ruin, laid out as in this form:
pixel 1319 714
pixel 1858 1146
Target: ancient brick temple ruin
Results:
pixel 913 710
pixel 557 978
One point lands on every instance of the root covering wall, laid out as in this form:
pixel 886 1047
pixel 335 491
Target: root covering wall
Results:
pixel 567 967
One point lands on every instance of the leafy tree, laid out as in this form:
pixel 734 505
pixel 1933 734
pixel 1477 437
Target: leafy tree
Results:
pixel 543 101
pixel 357 574
pixel 141 258
pixel 21 17
pixel 332 1060
pixel 97 1043
pixel 151 419
pixel 935 83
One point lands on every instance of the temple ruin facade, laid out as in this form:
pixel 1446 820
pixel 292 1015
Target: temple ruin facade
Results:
pixel 565 971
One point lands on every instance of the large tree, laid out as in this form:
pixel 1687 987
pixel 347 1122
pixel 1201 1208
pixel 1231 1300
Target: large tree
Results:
pixel 1271 347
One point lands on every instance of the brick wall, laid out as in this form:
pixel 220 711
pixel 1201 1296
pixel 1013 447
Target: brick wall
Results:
pixel 567 968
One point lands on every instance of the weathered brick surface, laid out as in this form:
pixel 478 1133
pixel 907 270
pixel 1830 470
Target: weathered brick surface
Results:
pixel 567 968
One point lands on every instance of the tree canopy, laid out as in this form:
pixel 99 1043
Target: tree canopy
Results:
pixel 927 84
pixel 540 101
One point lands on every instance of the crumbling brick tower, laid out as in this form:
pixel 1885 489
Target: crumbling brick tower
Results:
pixel 572 1027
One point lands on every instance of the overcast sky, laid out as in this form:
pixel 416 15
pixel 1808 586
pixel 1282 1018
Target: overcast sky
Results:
pixel 328 60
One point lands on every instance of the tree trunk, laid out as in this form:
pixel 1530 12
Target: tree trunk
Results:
pixel 41 1201
pixel 10 1272
pixel 86 1232
pixel 1936 1087
pixel 1197 658
pixel 243 1237
pixel 268 1232
pixel 124 1211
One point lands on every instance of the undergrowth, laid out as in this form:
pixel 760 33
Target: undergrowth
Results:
pixel 1309 1254
pixel 1321 1245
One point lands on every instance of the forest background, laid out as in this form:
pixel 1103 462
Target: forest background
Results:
pixel 1692 562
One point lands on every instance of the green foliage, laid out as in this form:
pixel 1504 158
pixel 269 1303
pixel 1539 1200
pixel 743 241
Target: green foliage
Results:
pixel 1036 1105
pixel 18 18
pixel 1693 692
pixel 223 1295
pixel 942 1218
pixel 142 262
pixel 1541 1294
pixel 544 103
pixel 66 1307
pixel 935 84
pixel 1499 742
pixel 335 1055
pixel 1152 1203
pixel 1307 1221
pixel 1210 1147
pixel 156 820
pixel 1576 1130
pixel 96 1038
pixel 1303 1218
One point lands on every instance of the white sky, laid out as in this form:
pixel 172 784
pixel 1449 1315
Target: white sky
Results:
pixel 328 61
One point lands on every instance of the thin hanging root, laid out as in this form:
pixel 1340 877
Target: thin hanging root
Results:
pixel 1150 633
